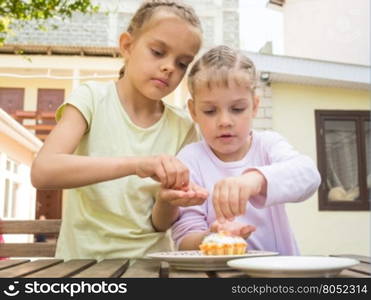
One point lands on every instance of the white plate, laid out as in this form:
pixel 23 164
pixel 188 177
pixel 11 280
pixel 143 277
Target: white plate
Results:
pixel 195 260
pixel 293 266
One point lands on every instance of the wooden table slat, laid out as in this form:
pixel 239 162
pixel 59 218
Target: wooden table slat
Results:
pixel 65 269
pixel 7 263
pixel 108 268
pixel 231 274
pixel 28 268
pixel 174 273
pixel 30 226
pixel 362 268
pixel 143 269
pixel 349 273
pixel 27 249
pixel 361 258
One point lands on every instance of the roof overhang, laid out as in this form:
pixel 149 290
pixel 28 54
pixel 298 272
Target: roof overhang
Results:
pixel 59 50
pixel 312 72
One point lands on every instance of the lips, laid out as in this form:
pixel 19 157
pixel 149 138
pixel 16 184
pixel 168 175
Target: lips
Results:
pixel 161 82
pixel 226 135
pixel 226 138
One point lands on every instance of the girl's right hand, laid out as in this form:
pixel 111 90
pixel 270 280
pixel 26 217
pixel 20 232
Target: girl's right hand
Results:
pixel 167 169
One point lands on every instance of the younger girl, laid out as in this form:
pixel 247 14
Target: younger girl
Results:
pixel 249 175
pixel 113 139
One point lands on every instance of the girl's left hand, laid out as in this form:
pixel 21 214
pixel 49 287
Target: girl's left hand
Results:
pixel 234 228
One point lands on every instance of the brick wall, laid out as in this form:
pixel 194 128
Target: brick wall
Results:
pixel 263 120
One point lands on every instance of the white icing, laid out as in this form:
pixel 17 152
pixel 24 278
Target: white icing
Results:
pixel 219 238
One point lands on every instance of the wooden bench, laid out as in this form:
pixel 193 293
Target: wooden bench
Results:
pixel 29 227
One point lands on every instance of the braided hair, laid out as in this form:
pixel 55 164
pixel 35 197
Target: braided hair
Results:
pixel 220 65
pixel 149 8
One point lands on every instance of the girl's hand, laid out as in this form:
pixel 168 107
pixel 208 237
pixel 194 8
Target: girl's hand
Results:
pixel 234 228
pixel 194 195
pixel 167 169
pixel 231 194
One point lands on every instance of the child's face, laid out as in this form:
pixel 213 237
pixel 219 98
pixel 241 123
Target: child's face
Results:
pixel 158 56
pixel 224 116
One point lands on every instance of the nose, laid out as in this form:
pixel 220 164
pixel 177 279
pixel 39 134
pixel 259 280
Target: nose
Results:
pixel 225 119
pixel 167 66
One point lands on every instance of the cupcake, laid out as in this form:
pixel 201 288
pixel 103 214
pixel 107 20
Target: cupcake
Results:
pixel 223 244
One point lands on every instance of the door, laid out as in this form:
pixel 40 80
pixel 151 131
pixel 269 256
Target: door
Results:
pixel 49 202
pixel 48 100
pixel 11 99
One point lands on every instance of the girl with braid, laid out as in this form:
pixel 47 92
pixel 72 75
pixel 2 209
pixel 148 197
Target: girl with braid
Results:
pixel 249 174
pixel 115 143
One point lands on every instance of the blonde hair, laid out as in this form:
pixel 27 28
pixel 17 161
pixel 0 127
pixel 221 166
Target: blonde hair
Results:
pixel 149 8
pixel 221 65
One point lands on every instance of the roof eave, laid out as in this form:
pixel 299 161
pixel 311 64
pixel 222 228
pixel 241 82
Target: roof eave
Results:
pixel 312 72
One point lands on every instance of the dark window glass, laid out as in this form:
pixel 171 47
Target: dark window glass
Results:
pixel 343 152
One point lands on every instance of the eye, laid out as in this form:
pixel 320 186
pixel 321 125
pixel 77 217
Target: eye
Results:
pixel 238 109
pixel 209 111
pixel 182 65
pixel 156 52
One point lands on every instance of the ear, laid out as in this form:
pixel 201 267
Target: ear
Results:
pixel 256 102
pixel 126 41
pixel 192 109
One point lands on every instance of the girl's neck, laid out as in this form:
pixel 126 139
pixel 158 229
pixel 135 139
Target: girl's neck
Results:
pixel 142 111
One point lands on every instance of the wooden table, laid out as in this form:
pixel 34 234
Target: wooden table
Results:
pixel 121 268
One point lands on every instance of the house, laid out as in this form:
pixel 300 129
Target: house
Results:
pixel 321 103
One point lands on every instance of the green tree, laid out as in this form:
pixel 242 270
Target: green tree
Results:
pixel 18 12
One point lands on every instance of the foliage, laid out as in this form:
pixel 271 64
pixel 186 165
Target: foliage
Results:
pixel 20 11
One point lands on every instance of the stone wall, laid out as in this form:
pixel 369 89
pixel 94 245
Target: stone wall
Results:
pixel 220 20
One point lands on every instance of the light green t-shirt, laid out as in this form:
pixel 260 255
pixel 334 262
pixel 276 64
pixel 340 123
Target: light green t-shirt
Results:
pixel 113 218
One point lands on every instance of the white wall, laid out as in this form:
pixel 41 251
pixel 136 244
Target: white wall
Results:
pixel 333 30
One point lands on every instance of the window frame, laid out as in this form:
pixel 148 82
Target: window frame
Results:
pixel 359 116
pixel 14 178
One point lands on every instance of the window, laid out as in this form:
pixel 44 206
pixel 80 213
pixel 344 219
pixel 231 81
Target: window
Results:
pixel 11 184
pixel 344 159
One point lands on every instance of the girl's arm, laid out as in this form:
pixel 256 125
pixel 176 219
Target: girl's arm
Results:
pixel 290 176
pixel 192 240
pixel 163 215
pixel 191 227
pixel 166 208
pixel 56 167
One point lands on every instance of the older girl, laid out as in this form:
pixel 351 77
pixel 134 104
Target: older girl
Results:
pixel 115 141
